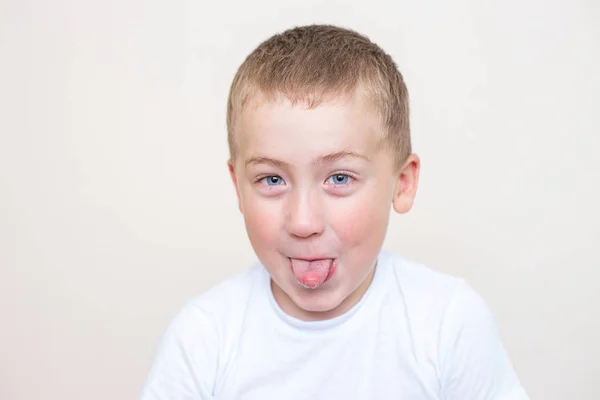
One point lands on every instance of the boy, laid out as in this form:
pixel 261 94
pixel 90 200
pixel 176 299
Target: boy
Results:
pixel 318 131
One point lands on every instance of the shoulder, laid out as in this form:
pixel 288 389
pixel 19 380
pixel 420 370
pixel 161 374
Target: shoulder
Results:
pixel 214 316
pixel 421 287
pixel 201 332
pixel 224 301
pixel 435 299
pixel 186 362
pixel 449 298
pixel 418 274
pixel 456 329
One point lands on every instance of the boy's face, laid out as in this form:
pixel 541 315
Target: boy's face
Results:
pixel 315 188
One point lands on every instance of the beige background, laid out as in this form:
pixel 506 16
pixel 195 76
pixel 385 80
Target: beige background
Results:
pixel 116 206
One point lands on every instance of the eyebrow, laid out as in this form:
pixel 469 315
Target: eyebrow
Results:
pixel 329 158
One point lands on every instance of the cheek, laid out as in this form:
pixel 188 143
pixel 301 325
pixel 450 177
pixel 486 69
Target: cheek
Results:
pixel 262 222
pixel 361 220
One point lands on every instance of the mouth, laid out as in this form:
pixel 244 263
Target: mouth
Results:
pixel 312 272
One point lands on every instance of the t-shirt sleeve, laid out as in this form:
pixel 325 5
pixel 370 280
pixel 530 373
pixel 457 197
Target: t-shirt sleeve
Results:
pixel 473 361
pixel 185 363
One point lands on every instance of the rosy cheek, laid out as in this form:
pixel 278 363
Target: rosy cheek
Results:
pixel 261 221
pixel 359 221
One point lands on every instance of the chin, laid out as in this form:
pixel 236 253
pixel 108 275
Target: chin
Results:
pixel 321 300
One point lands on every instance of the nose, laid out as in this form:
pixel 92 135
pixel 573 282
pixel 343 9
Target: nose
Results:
pixel 304 215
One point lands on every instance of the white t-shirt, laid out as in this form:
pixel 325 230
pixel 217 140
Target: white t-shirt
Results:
pixel 416 334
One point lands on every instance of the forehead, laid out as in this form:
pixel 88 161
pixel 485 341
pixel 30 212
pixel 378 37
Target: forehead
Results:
pixel 296 133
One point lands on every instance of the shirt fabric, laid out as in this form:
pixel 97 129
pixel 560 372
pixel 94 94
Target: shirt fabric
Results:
pixel 415 334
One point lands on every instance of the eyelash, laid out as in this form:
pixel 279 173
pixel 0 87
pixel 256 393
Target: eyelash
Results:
pixel 351 177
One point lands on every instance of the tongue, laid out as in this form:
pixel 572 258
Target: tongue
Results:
pixel 311 274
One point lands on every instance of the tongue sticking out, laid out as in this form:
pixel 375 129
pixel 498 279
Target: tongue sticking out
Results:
pixel 311 274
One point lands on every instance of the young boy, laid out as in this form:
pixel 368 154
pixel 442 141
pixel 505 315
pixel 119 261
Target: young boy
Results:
pixel 318 124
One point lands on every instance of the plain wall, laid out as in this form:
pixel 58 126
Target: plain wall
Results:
pixel 116 205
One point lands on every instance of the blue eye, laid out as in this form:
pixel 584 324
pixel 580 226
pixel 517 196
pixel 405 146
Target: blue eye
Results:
pixel 273 180
pixel 338 179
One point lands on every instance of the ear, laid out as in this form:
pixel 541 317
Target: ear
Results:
pixel 406 186
pixel 235 183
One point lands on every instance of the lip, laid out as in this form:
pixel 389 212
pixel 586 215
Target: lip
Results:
pixel 310 259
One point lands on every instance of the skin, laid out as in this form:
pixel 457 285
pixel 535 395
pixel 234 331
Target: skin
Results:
pixel 318 183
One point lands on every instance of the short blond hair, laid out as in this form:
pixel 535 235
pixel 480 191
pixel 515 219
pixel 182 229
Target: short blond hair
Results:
pixel 312 63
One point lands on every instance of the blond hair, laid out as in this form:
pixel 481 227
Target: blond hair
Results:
pixel 312 63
